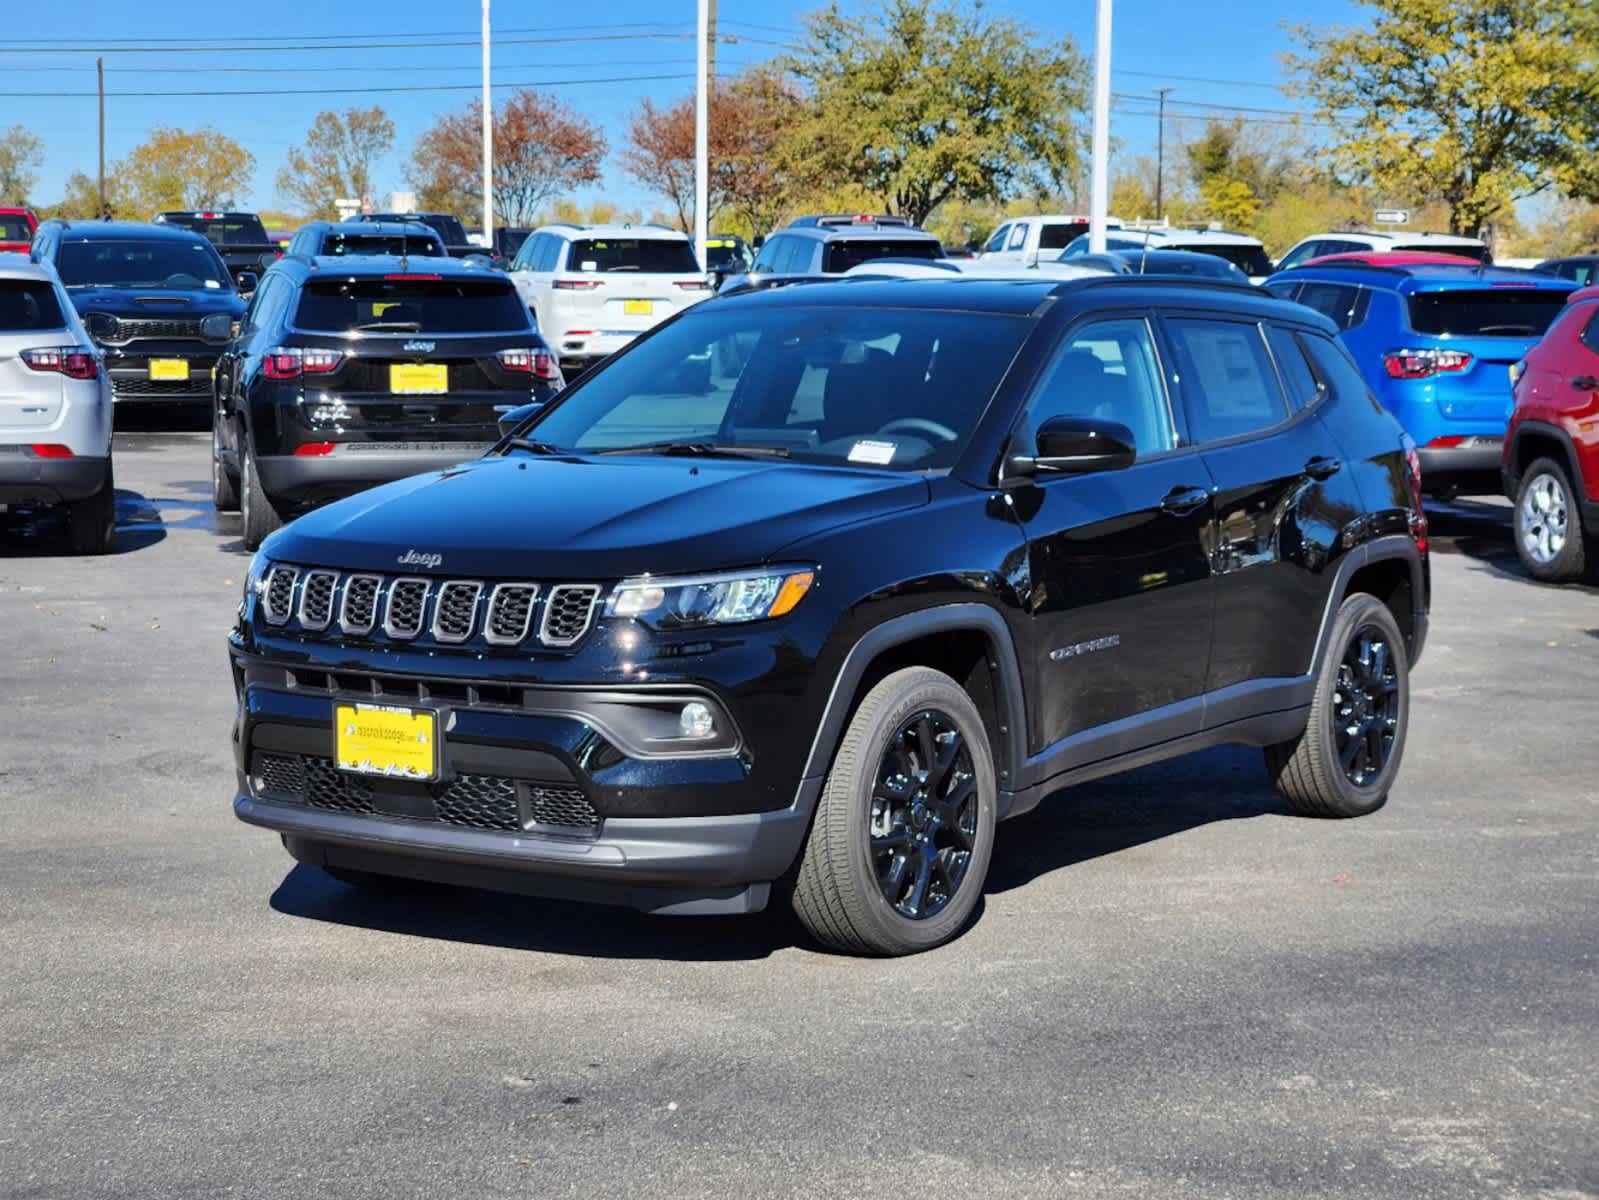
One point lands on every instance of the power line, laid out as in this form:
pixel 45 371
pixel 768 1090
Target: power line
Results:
pixel 1286 112
pixel 352 91
pixel 77 43
pixel 433 45
pixel 347 70
pixel 1254 83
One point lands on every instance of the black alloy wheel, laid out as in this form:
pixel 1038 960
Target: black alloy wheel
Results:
pixel 1365 708
pixel 923 824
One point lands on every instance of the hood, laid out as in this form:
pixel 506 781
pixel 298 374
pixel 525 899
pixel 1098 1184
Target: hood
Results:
pixel 594 518
pixel 155 302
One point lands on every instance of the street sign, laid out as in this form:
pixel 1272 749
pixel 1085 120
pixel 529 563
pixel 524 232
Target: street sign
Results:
pixel 1392 216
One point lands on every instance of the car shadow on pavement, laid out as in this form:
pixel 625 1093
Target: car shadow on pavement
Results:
pixel 1480 530
pixel 1228 783
pixel 41 533
pixel 509 922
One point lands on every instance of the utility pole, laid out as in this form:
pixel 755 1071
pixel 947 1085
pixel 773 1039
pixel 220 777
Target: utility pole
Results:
pixel 99 71
pixel 710 53
pixel 1160 150
pixel 1099 181
pixel 488 138
pixel 702 121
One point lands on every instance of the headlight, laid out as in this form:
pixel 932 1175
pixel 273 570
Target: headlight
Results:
pixel 255 577
pixel 732 598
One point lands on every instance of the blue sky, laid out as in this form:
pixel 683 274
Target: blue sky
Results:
pixel 1211 54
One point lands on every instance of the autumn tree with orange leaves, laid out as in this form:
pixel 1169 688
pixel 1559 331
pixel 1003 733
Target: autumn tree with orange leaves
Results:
pixel 542 149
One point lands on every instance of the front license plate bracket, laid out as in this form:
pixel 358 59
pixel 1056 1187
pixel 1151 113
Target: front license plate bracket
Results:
pixel 388 741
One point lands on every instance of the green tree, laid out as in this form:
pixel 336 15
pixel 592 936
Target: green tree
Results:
pixel 921 102
pixel 1232 202
pixel 1479 103
pixel 82 199
pixel 174 168
pixel 21 153
pixel 337 159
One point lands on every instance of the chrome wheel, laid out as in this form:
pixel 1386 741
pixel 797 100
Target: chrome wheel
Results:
pixel 923 825
pixel 1365 707
pixel 1544 518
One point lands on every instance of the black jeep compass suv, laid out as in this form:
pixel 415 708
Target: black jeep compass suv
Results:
pixel 813 585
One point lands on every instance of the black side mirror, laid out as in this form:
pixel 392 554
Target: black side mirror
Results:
pixel 510 419
pixel 1077 446
pixel 247 282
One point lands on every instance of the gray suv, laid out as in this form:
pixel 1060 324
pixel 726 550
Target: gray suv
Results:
pixel 831 245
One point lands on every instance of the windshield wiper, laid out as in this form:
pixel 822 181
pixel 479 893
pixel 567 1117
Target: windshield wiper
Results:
pixel 700 448
pixel 391 327
pixel 532 446
pixel 1528 330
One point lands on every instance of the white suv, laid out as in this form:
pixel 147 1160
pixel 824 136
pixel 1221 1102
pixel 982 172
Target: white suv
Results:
pixel 594 288
pixel 1323 244
pixel 55 407
pixel 1026 240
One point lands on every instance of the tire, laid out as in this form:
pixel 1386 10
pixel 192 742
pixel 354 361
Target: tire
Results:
pixel 1309 772
pixel 1548 524
pixel 92 521
pixel 842 887
pixel 260 517
pixel 224 486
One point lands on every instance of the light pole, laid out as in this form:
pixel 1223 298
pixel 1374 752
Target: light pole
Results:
pixel 1160 150
pixel 702 121
pixel 488 138
pixel 1099 181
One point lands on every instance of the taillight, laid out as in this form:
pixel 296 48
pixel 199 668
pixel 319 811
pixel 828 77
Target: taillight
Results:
pixel 693 285
pixel 50 450
pixel 540 364
pixel 1422 364
pixel 1418 512
pixel 576 285
pixel 290 363
pixel 75 362
pixel 1448 442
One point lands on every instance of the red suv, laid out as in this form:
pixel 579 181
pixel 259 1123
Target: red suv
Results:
pixel 16 229
pixel 1551 457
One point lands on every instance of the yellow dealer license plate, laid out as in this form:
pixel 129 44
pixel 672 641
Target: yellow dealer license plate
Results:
pixel 638 308
pixel 377 739
pixel 169 368
pixel 419 379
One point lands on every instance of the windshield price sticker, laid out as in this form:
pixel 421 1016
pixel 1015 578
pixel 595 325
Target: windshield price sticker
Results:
pixel 878 453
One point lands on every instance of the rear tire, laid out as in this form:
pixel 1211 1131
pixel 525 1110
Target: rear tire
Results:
pixel 92 521
pixel 224 485
pixel 904 830
pixel 1345 761
pixel 1548 524
pixel 260 518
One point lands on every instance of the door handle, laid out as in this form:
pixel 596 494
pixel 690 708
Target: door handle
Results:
pixel 1322 467
pixel 1181 501
pixel 1586 383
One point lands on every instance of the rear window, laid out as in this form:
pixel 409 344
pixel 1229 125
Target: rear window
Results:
pixel 411 306
pixel 1060 235
pixel 1475 253
pixel 1497 312
pixel 1251 260
pixel 27 304
pixel 244 229
pixel 843 255
pixel 338 244
pixel 15 228
pixel 642 256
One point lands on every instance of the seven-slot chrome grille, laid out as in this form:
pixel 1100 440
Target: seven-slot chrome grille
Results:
pixel 407 607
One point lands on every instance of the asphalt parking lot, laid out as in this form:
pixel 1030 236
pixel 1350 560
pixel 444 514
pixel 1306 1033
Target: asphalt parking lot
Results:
pixel 1174 989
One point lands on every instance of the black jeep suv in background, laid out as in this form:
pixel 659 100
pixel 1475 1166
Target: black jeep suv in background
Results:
pixel 810 587
pixel 351 371
pixel 338 239
pixel 239 237
pixel 157 299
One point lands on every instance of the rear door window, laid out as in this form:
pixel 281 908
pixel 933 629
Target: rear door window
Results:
pixel 1229 386
pixel 1489 312
pixel 852 252
pixel 29 304
pixel 1344 303
pixel 411 306
pixel 635 256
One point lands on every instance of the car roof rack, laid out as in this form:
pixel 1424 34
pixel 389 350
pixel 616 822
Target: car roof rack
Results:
pixel 844 220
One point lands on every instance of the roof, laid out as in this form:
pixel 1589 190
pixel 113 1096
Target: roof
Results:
pixel 17 212
pixel 122 231
pixel 1548 262
pixel 1218 237
pixel 617 230
pixel 204 213
pixel 1385 235
pixel 1439 272
pixel 1395 258
pixel 368 265
pixel 20 266
pixel 370 226
pixel 1582 295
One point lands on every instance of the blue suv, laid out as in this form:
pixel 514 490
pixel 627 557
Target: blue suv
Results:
pixel 1436 342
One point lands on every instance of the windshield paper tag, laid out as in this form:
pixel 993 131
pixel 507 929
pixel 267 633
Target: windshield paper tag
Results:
pixel 877 453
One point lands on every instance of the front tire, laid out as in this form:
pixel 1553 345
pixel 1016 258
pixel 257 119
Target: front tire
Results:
pixel 1345 761
pixel 1548 529
pixel 904 830
pixel 259 517
pixel 92 521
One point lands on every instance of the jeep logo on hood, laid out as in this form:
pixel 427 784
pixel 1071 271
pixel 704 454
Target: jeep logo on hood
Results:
pixel 420 347
pixel 415 558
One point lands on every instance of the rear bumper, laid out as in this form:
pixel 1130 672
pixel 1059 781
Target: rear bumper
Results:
pixel 1472 467
pixel 295 479
pixel 25 478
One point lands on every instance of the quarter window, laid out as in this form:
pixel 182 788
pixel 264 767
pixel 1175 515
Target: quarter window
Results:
pixel 1590 332
pixel 1336 369
pixel 1298 382
pixel 1228 385
pixel 1343 303
pixel 1107 371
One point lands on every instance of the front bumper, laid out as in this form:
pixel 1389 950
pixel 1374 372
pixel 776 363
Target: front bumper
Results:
pixel 26 478
pixel 129 372
pixel 349 468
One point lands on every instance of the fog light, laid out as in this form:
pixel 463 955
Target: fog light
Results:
pixel 696 720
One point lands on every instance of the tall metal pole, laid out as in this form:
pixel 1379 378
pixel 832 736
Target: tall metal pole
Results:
pixel 710 52
pixel 488 138
pixel 1160 151
pixel 99 71
pixel 1099 171
pixel 702 122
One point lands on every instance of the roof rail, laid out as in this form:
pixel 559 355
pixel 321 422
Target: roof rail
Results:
pixel 1176 281
pixel 831 220
pixel 761 283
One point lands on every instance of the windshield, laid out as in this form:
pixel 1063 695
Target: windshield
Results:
pixel 895 388
pixel 852 252
pixel 644 256
pixel 15 228
pixel 340 244
pixel 1498 312
pixel 157 263
pixel 27 304
pixel 720 255
pixel 235 229
pixel 411 306
pixel 1251 260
